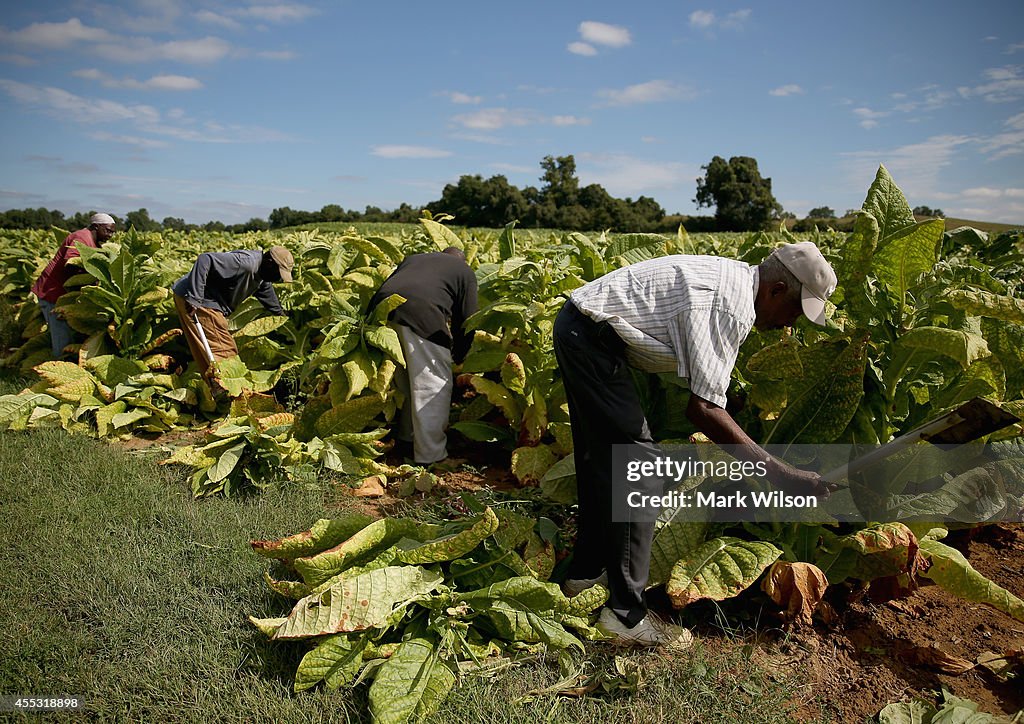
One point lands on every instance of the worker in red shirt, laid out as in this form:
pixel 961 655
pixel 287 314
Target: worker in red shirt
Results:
pixel 50 285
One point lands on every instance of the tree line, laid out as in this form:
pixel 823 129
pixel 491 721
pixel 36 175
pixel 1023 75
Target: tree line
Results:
pixel 741 197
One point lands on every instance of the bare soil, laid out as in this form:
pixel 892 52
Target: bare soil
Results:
pixel 872 655
pixel 176 437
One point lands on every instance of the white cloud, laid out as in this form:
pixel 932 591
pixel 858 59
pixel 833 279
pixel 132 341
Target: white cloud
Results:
pixel 94 111
pixel 985 203
pixel 702 19
pixel 140 50
pixel 211 18
pixel 707 21
pixel 53 36
pixel 157 82
pixel 17 59
pixel 1003 85
pixel 539 90
pixel 101 43
pixel 786 90
pixel 490 119
pixel 653 91
pixel 1008 143
pixel 735 20
pixel 580 48
pixel 128 140
pixel 204 50
pixel 982 192
pixel 569 121
pixel 61 103
pixel 398 151
pixel 624 175
pixel 231 18
pixel 1000 74
pixel 614 36
pixel 481 138
pixel 275 54
pixel 91 74
pixel 278 13
pixel 462 98
pixel 172 83
pixel 915 167
pixel 141 16
pixel 1016 122
pixel 869 118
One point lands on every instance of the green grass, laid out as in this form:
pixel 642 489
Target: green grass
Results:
pixel 120 587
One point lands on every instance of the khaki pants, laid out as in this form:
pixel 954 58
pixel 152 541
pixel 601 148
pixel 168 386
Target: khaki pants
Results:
pixel 215 325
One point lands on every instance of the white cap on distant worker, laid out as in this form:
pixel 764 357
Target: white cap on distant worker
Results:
pixel 815 274
pixel 101 219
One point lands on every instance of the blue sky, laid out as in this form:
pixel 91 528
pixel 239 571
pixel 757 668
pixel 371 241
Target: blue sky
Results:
pixel 213 110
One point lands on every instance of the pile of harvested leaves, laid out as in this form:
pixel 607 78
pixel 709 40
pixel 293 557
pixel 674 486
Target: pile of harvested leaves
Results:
pixel 412 606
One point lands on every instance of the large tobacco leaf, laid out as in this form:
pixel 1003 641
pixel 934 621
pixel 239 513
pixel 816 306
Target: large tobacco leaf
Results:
pixel 951 570
pixel 323 534
pixel 358 602
pixel 376 536
pixel 719 569
pixel 336 660
pixel 452 546
pixel 412 684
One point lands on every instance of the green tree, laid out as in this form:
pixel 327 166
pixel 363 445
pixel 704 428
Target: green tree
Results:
pixel 173 223
pixel 561 186
pixel 332 212
pixel 928 211
pixel 286 216
pixel 821 212
pixel 40 218
pixel 474 201
pixel 405 214
pixel 255 224
pixel 141 221
pixel 742 199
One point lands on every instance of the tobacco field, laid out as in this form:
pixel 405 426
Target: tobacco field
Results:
pixel 922 321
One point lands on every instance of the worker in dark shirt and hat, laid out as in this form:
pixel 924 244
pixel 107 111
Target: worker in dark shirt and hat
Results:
pixel 440 292
pixel 218 283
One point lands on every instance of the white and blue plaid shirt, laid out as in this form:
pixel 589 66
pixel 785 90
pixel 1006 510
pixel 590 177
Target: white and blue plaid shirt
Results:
pixel 684 314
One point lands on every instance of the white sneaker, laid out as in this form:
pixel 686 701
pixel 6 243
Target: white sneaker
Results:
pixel 573 586
pixel 651 631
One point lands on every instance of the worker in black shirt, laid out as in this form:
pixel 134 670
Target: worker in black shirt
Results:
pixel 440 292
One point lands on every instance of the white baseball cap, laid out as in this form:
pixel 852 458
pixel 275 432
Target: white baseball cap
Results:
pixel 101 219
pixel 815 274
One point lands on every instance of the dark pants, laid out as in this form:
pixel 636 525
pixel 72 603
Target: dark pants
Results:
pixel 604 410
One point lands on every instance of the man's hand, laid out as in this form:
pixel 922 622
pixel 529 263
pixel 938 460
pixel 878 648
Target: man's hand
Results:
pixel 802 482
pixel 213 380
